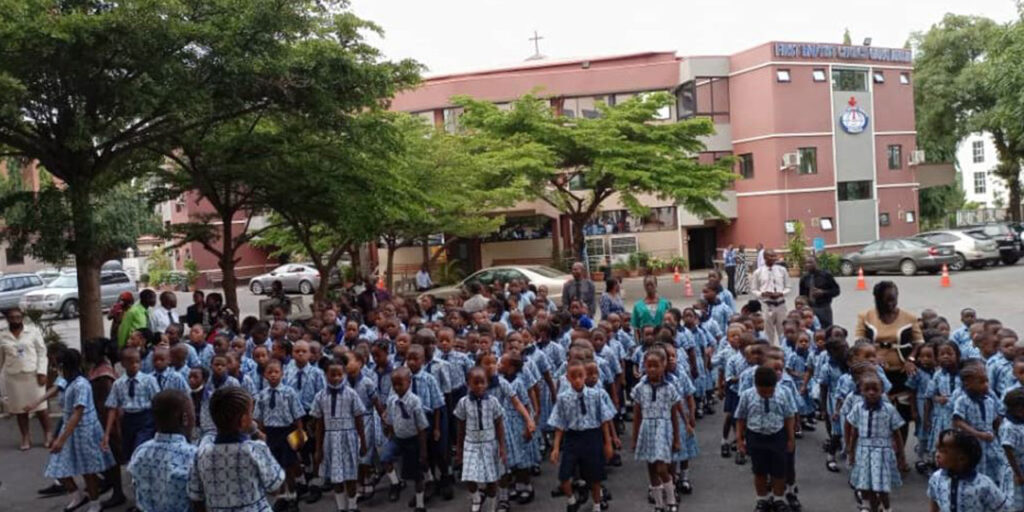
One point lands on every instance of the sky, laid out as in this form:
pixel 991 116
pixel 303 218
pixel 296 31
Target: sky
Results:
pixel 462 35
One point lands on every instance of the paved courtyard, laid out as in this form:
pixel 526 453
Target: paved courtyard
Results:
pixel 719 484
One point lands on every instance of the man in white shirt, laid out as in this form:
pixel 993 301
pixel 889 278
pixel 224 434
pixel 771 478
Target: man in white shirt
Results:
pixel 770 285
pixel 760 256
pixel 423 281
pixel 162 316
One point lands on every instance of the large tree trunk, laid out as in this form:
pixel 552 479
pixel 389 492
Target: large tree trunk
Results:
pixel 392 247
pixel 1013 189
pixel 426 250
pixel 90 321
pixel 227 266
pixel 579 240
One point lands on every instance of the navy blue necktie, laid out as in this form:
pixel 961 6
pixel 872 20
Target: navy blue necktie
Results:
pixel 954 490
pixel 334 399
pixel 298 381
pixel 401 406
pixel 583 405
pixel 479 412
pixel 767 407
pixel 131 387
pixel 273 398
pixel 160 380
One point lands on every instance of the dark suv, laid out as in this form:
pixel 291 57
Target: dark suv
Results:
pixel 1005 236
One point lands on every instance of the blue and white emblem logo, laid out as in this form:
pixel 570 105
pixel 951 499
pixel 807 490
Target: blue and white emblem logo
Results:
pixel 853 119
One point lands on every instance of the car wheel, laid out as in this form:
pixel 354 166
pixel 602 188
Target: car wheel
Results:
pixel 846 268
pixel 69 309
pixel 1010 260
pixel 908 267
pixel 959 262
pixel 306 288
pixel 256 288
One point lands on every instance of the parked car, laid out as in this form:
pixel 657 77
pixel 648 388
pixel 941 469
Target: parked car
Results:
pixel 49 274
pixel 14 286
pixel 61 295
pixel 295 278
pixel 971 247
pixel 904 255
pixel 533 274
pixel 1005 236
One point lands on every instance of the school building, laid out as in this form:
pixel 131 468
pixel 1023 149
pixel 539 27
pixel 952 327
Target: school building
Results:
pixel 823 134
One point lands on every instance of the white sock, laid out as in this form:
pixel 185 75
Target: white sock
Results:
pixel 778 497
pixel 571 499
pixel 684 474
pixel 76 497
pixel 341 501
pixel 393 477
pixel 659 496
pixel 725 440
pixel 761 497
pixel 670 494
pixel 597 507
pixel 490 505
pixel 95 506
pixel 419 500
pixel 790 489
pixel 428 476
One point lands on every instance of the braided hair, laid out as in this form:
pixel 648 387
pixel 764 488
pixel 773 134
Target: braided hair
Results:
pixel 227 405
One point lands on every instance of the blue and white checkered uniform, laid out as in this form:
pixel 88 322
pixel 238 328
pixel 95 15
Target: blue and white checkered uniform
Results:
pixel 1011 437
pixel 974 492
pixel 234 476
pixel 981 412
pixel 133 393
pixel 581 410
pixel 81 452
pixel 278 407
pixel 656 401
pixel 204 353
pixel 160 468
pixel 480 460
pixel 306 381
pixel 339 407
pixel 170 379
pixel 764 415
pixel 459 365
pixel 425 386
pixel 405 415
pixel 441 371
pixel 876 468
pixel 947 385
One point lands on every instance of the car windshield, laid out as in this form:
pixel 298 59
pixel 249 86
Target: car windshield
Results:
pixel 978 235
pixel 546 271
pixel 64 281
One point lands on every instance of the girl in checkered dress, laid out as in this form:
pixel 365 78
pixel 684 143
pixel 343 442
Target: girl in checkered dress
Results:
pixel 656 427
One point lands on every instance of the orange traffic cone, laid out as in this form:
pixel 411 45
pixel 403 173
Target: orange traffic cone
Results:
pixel 861 284
pixel 675 276
pixel 689 287
pixel 944 280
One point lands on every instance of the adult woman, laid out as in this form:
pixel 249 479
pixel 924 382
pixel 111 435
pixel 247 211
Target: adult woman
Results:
pixel 23 360
pixel 742 272
pixel 897 337
pixel 611 299
pixel 650 309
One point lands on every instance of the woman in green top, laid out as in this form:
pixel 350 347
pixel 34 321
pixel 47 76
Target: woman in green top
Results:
pixel 650 309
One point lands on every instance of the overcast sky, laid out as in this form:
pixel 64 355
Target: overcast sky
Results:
pixel 462 35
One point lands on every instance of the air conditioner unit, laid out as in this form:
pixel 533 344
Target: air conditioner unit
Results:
pixel 790 161
pixel 917 157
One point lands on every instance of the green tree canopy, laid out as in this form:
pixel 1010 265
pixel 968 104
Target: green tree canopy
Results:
pixel 575 165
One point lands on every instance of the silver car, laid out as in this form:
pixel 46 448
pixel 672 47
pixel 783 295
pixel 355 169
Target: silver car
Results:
pixel 536 275
pixel 971 247
pixel 14 286
pixel 61 295
pixel 294 277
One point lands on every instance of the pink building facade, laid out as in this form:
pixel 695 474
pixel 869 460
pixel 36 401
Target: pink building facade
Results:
pixel 823 134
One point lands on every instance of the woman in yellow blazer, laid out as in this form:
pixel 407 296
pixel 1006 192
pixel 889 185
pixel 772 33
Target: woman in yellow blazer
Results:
pixel 23 361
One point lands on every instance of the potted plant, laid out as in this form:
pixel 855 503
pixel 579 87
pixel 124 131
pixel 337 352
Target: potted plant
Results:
pixel 620 269
pixel 796 248
pixel 656 266
pixel 191 274
pixel 677 263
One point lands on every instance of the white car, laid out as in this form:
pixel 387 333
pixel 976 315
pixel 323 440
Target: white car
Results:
pixel 60 296
pixel 971 248
pixel 294 277
pixel 536 275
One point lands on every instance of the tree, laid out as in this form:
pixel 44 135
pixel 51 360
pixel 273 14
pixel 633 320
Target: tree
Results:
pixel 38 223
pixel 847 40
pixel 968 79
pixel 575 165
pixel 453 190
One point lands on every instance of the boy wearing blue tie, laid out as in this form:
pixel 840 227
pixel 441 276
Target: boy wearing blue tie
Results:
pixel 765 429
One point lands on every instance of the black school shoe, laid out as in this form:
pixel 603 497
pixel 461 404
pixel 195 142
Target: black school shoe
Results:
pixel 281 505
pixel 726 451
pixel 314 495
pixel 54 489
pixel 394 492
pixel 793 501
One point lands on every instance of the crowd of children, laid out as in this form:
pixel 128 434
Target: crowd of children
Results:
pixel 413 392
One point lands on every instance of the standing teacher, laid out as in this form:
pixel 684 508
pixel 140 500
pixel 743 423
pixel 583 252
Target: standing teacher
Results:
pixel 579 288
pixel 729 261
pixel 897 337
pixel 23 360
pixel 650 310
pixel 820 288
pixel 771 284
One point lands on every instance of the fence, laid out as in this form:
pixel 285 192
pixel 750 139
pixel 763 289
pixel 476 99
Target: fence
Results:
pixel 982 216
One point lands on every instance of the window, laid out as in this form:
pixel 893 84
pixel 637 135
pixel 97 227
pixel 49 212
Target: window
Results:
pixel 895 153
pixel 911 217
pixel 854 190
pixel 531 227
pixel 782 75
pixel 883 219
pixel 879 77
pixel 451 119
pixel 663 113
pixel 14 256
pixel 614 222
pixel 818 75
pixel 808 160
pixel 790 226
pixel 979 182
pixel 746 162
pixel 849 80
pixel 826 223
pixel 978 151
pixel 905 78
